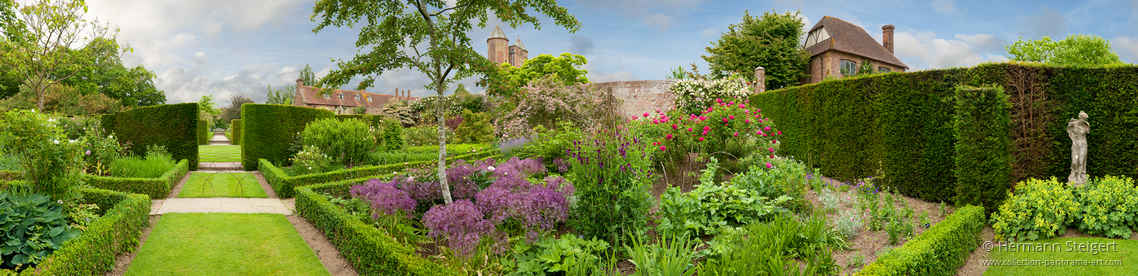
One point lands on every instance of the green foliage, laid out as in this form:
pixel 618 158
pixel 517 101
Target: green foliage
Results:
pixel 772 248
pixel 1109 206
pixel 34 227
pixel 424 135
pixel 106 75
pixel 283 96
pixel 117 231
pixel 612 176
pixel 1076 49
pixel 64 100
pixel 153 187
pixel 347 142
pixel 770 41
pixel 1040 209
pixel 392 138
pixel 569 254
pixel 475 128
pixel 48 159
pixel 310 160
pixel 177 122
pixel 787 177
pixel 550 144
pixel 267 126
pixel 939 251
pixel 431 152
pixel 669 256
pixel 507 80
pixel 547 101
pixel 153 165
pixel 308 76
pixel 283 183
pixel 368 249
pixel 982 126
pixel 233 111
pixel 899 127
pixel 203 133
pixel 235 127
pixel 712 206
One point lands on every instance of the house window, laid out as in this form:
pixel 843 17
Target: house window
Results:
pixel 341 96
pixel 883 69
pixel 849 68
pixel 357 97
pixel 816 36
pixel 326 96
pixel 369 98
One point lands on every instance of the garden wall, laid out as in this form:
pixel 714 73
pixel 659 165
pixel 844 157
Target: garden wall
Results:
pixel 641 96
pixel 899 125
pixel 173 125
pixel 270 129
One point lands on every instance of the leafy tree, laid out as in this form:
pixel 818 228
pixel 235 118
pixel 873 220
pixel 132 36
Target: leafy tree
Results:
pixel 507 80
pixel 206 109
pixel 1076 49
pixel 233 111
pixel 106 74
pixel 40 52
pixel 771 41
pixel 282 96
pixel 307 76
pixel 397 30
pixel 9 25
pixel 460 91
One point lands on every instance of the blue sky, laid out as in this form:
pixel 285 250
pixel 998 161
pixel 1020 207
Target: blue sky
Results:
pixel 231 47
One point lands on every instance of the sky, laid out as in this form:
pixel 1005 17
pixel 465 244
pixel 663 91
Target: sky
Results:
pixel 234 47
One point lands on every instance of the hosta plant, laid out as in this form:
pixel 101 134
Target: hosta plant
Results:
pixel 1109 206
pixel 33 226
pixel 1039 209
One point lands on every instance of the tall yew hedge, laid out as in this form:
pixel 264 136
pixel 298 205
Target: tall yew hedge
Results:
pixel 270 129
pixel 983 146
pixel 172 125
pixel 899 126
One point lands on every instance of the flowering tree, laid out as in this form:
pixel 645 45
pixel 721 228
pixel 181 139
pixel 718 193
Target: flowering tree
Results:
pixel 397 29
pixel 547 100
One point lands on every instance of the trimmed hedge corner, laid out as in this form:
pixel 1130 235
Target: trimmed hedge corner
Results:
pixel 939 251
pixel 93 252
pixel 369 250
pixel 154 187
pixel 285 185
pixel 270 129
pixel 170 125
pixel 203 133
pixel 235 130
pixel 983 146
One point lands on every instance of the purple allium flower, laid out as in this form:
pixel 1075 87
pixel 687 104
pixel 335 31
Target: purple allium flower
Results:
pixel 384 197
pixel 460 222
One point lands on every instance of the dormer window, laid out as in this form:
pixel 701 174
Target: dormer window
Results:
pixel 357 97
pixel 369 98
pixel 341 96
pixel 816 36
pixel 326 96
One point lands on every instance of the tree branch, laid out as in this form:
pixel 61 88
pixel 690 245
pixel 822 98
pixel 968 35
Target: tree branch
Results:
pixel 450 8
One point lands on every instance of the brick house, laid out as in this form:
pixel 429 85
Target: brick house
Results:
pixel 343 101
pixel 838 48
pixel 499 53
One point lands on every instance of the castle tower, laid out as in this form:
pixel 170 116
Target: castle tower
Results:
pixel 518 53
pixel 497 42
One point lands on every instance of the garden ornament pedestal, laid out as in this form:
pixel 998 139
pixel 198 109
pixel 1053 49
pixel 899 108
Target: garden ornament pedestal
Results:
pixel 1078 129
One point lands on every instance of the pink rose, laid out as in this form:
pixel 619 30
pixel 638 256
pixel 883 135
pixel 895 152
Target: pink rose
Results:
pixel 645 114
pixel 780 132
pixel 701 139
pixel 768 165
pixel 732 117
pixel 736 134
pixel 704 132
pixel 662 148
pixel 668 137
pixel 767 128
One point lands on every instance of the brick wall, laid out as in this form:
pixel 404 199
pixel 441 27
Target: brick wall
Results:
pixel 641 96
pixel 829 64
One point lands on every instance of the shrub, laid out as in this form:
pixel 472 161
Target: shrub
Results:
pixel 785 177
pixel 475 128
pixel 693 96
pixel 711 206
pixel 939 251
pixel 347 142
pixel 460 222
pixel 983 147
pixel 424 135
pixel 267 128
pixel 34 227
pixel 1108 207
pixel 392 139
pixel 728 129
pixel 550 144
pixel 235 128
pixel 1040 209
pixel 99 150
pixel 177 122
pixel 612 175
pixel 310 160
pixel 547 101
pixel 48 159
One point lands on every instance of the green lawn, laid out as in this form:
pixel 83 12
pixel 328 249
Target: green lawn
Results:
pixel 222 185
pixel 225 244
pixel 1065 249
pixel 219 153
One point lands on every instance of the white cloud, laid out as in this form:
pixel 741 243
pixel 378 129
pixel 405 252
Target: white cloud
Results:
pixel 659 20
pixel 657 13
pixel 709 33
pixel 984 42
pixel 1126 47
pixel 1047 23
pixel 944 6
pixel 923 50
pixel 621 75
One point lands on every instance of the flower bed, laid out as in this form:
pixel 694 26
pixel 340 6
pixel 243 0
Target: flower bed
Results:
pixel 94 251
pixel 284 184
pixel 154 187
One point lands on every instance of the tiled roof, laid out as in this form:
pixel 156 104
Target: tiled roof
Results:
pixel 377 100
pixel 849 38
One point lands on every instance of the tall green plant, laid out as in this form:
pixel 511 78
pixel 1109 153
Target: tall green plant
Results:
pixel 612 174
pixel 347 142
pixel 982 126
pixel 49 160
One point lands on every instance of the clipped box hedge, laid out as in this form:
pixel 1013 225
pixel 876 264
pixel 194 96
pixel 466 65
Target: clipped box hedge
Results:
pixel 170 125
pixel 93 252
pixel 369 250
pixel 154 187
pixel 270 129
pixel 939 251
pixel 203 133
pixel 235 132
pixel 901 124
pixel 285 185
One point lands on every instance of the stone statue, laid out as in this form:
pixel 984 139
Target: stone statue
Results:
pixel 1077 129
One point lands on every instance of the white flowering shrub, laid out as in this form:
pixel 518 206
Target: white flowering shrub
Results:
pixel 546 101
pixel 693 96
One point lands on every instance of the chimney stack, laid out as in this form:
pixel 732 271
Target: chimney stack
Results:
pixel 887 37
pixel 760 80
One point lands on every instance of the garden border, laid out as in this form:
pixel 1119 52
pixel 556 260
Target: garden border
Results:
pixel 285 185
pixel 156 188
pixel 939 251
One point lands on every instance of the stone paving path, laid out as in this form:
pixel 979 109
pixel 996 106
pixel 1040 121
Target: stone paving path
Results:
pixel 222 205
pixel 219 139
